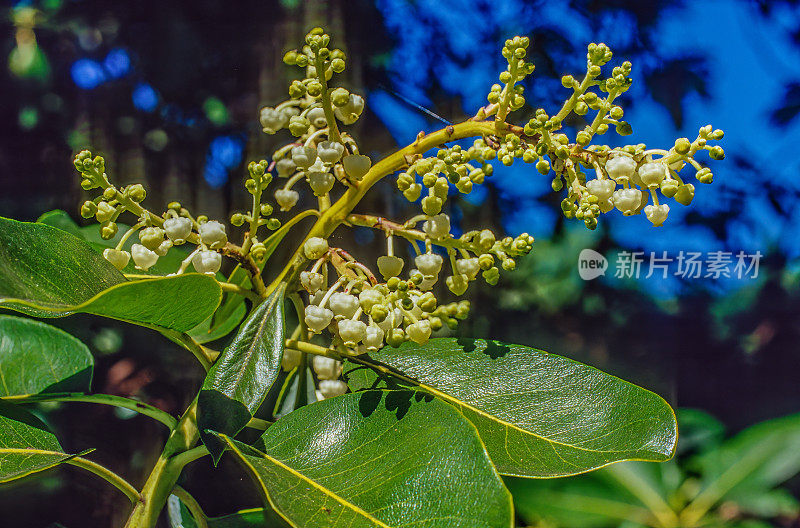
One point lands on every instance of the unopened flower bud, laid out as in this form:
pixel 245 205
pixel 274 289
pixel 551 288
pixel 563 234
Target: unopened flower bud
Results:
pixel 108 230
pixel 104 212
pixel 669 187
pixel 136 192
pixel 163 248
pixel 88 209
pixel 315 248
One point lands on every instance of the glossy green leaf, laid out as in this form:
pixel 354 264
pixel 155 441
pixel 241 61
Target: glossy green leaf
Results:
pixel 46 272
pixel 238 382
pixel 378 459
pixel 540 415
pixel 26 445
pixel 179 516
pixel 205 332
pixel 36 357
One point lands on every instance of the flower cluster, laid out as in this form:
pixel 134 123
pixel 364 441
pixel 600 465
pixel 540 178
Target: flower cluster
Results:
pixel 363 306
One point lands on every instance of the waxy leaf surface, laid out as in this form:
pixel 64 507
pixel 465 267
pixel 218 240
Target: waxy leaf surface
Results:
pixel 378 459
pixel 540 415
pixel 36 357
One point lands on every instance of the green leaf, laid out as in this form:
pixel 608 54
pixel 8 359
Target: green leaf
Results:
pixel 238 382
pixel 36 357
pixel 205 332
pixel 756 460
pixel 378 459
pixel 580 502
pixel 540 415
pixel 46 272
pixel 179 516
pixel 26 445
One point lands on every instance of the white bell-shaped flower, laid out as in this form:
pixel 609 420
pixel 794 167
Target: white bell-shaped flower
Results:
pixel 437 226
pixel 468 267
pixel 212 233
pixel 620 168
pixel 207 262
pixel 143 258
pixel 627 200
pixel 352 331
pixel 373 340
pixel 178 229
pixel 312 281
pixel 272 120
pixel 419 332
pixel 356 165
pixel 657 214
pixel 291 359
pixel 330 151
pixel 286 198
pixel 603 189
pixel 332 388
pixel 390 266
pixel 317 318
pixel 118 258
pixel 429 263
pixel 369 298
pixel 651 174
pixel 317 117
pixel 304 157
pixel 393 320
pixel 321 183
pixel 315 247
pixel 163 248
pixel 343 305
pixel 327 368
pixel 285 167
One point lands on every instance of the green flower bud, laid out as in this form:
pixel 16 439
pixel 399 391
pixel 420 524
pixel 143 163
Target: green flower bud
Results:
pixel 685 194
pixel 237 219
pixel 491 276
pixel 669 188
pixel 431 205
pixel 315 248
pixel 88 209
pixel 108 231
pixel 109 193
pixel 395 337
pixel 682 146
pixel 543 166
pixel 298 125
pixel 258 251
pixel 105 212
pixel 151 237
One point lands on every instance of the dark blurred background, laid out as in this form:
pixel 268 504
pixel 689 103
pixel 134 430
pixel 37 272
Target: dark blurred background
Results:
pixel 169 93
